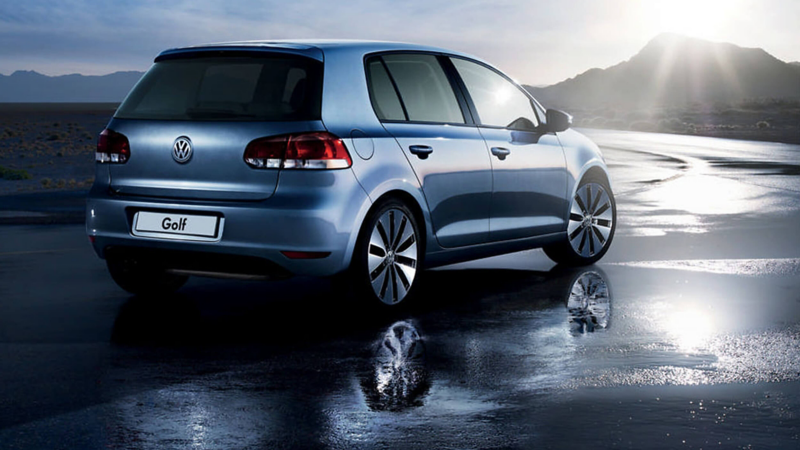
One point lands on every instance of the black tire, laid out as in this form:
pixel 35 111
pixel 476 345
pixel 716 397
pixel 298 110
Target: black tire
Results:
pixel 133 277
pixel 398 266
pixel 578 246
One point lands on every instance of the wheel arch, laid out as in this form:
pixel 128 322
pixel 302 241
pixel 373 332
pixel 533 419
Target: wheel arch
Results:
pixel 561 252
pixel 593 168
pixel 596 172
pixel 414 203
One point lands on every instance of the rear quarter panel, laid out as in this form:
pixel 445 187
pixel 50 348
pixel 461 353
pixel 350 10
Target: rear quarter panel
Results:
pixel 346 108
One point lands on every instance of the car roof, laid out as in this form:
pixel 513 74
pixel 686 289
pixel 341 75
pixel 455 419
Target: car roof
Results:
pixel 316 47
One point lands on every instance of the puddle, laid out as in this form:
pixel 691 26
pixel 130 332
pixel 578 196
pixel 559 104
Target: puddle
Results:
pixel 399 379
pixel 747 267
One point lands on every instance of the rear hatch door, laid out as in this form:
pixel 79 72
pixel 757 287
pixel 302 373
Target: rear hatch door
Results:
pixel 190 118
pixel 215 169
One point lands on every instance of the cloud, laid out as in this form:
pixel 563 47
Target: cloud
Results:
pixel 535 41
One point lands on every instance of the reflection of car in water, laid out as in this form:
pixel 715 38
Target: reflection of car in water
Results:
pixel 589 302
pixel 398 378
pixel 264 393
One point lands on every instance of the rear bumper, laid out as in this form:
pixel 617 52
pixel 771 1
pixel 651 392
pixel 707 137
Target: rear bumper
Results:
pixel 309 212
pixel 199 263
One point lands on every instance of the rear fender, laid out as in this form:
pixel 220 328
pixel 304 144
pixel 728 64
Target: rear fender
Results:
pixel 385 174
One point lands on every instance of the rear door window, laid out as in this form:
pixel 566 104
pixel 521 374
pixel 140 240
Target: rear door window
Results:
pixel 228 88
pixel 425 92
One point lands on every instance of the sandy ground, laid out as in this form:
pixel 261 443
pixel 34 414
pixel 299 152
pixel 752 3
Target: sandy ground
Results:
pixel 47 147
pixel 690 342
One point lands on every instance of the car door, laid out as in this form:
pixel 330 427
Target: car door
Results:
pixel 417 104
pixel 528 165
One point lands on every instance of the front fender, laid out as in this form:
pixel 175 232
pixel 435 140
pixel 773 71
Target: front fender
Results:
pixel 581 155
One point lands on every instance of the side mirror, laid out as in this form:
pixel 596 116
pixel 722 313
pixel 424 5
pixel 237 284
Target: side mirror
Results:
pixel 522 124
pixel 558 120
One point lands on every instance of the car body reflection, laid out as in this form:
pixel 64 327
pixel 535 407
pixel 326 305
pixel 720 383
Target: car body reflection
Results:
pixel 589 302
pixel 399 378
pixel 260 372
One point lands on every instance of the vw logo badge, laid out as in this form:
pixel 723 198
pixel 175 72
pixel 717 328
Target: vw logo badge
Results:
pixel 182 150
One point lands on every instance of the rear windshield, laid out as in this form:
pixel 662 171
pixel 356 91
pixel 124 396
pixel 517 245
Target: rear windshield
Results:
pixel 274 88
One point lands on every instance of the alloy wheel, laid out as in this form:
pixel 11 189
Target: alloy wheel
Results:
pixel 392 256
pixel 590 220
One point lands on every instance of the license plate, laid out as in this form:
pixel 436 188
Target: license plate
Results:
pixel 175 226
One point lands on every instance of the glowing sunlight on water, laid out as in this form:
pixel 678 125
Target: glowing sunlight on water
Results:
pixel 690 329
pixel 703 195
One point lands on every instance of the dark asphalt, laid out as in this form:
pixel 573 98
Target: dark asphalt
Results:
pixel 43 208
pixel 691 342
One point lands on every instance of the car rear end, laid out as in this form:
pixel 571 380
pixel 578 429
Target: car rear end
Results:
pixel 218 163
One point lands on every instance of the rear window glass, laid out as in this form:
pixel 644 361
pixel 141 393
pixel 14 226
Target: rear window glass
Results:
pixel 384 98
pixel 228 88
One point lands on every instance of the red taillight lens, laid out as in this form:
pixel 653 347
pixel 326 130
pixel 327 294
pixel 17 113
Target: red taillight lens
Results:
pixel 318 150
pixel 112 147
pixel 266 153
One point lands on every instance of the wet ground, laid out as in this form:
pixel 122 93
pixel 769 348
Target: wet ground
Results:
pixel 685 336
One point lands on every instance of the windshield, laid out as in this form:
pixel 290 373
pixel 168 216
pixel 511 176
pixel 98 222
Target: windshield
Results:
pixel 273 88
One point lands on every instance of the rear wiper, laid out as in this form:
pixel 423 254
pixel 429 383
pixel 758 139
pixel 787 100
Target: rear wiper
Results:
pixel 212 113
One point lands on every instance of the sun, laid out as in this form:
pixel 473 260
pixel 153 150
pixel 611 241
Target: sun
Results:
pixel 697 18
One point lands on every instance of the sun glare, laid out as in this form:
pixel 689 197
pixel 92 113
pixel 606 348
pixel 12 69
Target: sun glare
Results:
pixel 697 18
pixel 690 329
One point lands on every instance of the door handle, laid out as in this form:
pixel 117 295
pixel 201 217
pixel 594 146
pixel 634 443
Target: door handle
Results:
pixel 500 152
pixel 422 151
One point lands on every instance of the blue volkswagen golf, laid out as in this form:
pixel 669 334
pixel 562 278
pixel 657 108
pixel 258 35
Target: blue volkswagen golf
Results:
pixel 364 160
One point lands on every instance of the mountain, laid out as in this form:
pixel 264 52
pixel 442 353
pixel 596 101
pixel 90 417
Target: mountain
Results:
pixel 28 86
pixel 673 70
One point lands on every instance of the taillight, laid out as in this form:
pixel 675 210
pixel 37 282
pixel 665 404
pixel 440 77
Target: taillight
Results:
pixel 317 150
pixel 112 147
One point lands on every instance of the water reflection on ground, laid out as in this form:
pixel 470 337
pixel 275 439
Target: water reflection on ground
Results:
pixel 524 333
pixel 399 378
pixel 484 366
pixel 589 302
pixel 364 380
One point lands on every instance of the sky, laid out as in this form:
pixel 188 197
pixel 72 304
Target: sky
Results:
pixel 536 42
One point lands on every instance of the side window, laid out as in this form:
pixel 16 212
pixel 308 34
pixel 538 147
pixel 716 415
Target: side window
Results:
pixel 424 88
pixel 499 103
pixel 384 98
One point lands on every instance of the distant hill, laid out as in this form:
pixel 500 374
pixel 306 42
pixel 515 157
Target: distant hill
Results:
pixel 32 87
pixel 673 70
